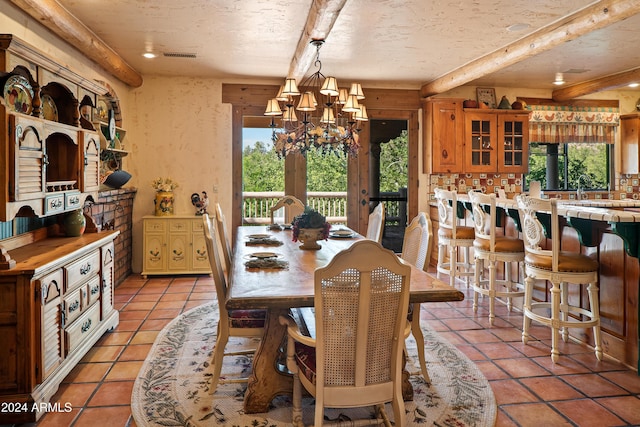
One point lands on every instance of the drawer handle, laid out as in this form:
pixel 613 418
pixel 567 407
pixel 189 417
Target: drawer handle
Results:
pixel 95 289
pixel 74 306
pixel 86 326
pixel 86 269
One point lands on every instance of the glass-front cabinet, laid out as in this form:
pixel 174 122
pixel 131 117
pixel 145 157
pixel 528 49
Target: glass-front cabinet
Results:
pixel 496 141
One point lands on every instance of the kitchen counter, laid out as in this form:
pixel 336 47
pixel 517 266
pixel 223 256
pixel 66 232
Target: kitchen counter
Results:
pixel 609 231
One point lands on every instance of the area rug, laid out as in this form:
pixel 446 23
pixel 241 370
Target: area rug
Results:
pixel 172 388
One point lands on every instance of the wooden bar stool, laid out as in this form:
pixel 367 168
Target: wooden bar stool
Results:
pixel 453 236
pixel 559 268
pixel 494 249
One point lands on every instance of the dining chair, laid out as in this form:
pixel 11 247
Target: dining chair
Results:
pixel 560 268
pixel 492 248
pixel 416 250
pixel 223 238
pixel 291 205
pixel 355 359
pixel 232 323
pixel 452 236
pixel 375 227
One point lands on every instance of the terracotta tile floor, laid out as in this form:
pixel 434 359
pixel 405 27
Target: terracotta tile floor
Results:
pixel 529 389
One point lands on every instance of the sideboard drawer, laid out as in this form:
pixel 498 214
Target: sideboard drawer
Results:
pixel 74 302
pixel 81 270
pixel 93 290
pixel 82 327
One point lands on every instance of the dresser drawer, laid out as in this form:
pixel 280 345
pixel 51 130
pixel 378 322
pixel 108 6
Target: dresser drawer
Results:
pixel 76 333
pixel 54 204
pixel 93 290
pixel 74 302
pixel 179 226
pixel 81 270
pixel 154 225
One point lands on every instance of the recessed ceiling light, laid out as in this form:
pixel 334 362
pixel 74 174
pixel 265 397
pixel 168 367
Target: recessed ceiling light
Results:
pixel 149 55
pixel 559 79
pixel 634 84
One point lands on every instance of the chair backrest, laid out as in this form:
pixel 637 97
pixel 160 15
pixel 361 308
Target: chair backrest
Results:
pixel 534 215
pixel 213 252
pixel 484 222
pixel 447 202
pixel 292 207
pixel 361 303
pixel 418 241
pixel 223 236
pixel 375 227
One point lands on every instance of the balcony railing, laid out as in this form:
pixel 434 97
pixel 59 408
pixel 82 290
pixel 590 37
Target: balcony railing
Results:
pixel 332 205
pixel 255 209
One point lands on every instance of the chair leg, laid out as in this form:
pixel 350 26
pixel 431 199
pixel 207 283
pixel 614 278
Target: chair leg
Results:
pixel 441 249
pixel 555 316
pixel 594 305
pixel 417 335
pixel 467 265
pixel 564 309
pixel 508 284
pixel 453 265
pixel 476 281
pixel 218 356
pixel 526 306
pixel 492 291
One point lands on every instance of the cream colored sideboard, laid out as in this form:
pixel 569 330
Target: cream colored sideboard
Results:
pixel 56 301
pixel 174 245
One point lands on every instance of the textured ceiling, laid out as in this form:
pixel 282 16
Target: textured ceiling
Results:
pixel 386 43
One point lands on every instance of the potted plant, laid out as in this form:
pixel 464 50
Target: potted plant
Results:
pixel 309 227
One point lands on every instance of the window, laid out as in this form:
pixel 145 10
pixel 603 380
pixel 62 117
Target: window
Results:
pixel 560 166
pixel 571 146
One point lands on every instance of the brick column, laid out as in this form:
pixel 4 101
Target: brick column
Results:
pixel 114 211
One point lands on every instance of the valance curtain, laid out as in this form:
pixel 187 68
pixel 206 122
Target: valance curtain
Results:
pixel 554 124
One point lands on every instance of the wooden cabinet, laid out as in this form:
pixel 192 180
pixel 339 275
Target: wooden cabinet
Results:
pixel 462 140
pixel 49 155
pixel 630 143
pixel 496 141
pixel 57 301
pixel 51 167
pixel 174 245
pixel 444 133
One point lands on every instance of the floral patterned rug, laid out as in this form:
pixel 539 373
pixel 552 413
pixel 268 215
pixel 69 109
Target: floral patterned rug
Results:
pixel 172 388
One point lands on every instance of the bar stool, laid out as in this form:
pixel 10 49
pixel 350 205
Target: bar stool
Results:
pixel 559 268
pixel 453 236
pixel 490 247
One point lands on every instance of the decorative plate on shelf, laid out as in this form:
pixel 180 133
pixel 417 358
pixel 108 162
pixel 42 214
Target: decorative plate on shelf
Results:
pixel 18 94
pixel 102 110
pixel 49 109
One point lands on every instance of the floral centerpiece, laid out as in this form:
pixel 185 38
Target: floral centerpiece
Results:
pixel 164 195
pixel 164 184
pixel 310 226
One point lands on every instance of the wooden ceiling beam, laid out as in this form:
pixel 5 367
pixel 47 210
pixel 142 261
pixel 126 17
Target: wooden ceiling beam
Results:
pixel 612 81
pixel 591 18
pixel 322 15
pixel 56 18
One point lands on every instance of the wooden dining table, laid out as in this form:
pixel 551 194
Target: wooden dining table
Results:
pixel 279 290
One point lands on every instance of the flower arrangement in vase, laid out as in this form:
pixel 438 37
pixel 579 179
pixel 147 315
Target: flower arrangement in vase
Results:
pixel 164 195
pixel 309 227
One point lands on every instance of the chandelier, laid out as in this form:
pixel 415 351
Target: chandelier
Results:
pixel 330 115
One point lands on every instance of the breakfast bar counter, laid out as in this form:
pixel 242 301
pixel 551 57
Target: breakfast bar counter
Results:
pixel 609 231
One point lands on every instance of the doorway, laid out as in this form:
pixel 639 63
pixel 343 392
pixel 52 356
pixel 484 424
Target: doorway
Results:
pixel 389 177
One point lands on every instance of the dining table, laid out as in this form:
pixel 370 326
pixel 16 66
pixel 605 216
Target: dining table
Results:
pixel 269 271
